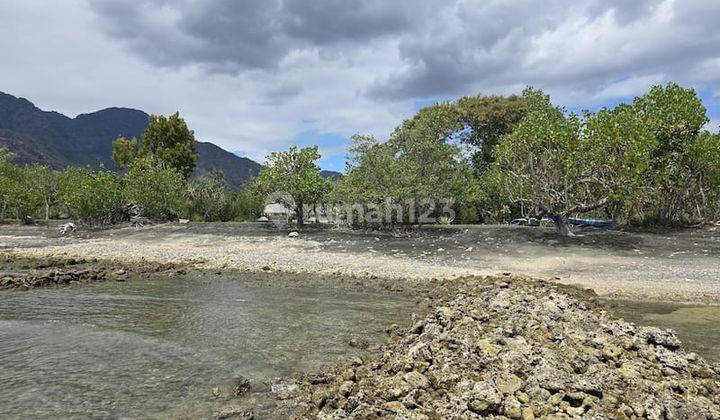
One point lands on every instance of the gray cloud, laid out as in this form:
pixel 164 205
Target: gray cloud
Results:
pixel 253 75
pixel 230 36
pixel 441 47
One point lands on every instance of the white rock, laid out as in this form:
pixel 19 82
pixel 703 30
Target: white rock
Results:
pixel 293 234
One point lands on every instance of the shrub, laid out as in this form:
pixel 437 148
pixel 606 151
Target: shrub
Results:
pixel 159 190
pixel 91 197
pixel 209 197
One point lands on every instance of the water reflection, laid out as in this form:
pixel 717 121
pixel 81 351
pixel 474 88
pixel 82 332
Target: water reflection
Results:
pixel 154 348
pixel 697 326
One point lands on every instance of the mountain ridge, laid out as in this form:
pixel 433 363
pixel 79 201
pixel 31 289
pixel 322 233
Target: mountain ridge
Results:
pixel 54 139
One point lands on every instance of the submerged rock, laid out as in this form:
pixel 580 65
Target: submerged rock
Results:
pixel 509 347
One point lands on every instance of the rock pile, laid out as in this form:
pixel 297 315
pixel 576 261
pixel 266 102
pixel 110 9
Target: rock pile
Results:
pixel 25 274
pixel 516 348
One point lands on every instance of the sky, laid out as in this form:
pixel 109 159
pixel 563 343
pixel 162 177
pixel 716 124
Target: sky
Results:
pixel 256 76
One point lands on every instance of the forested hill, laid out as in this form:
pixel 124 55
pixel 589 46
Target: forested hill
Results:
pixel 51 138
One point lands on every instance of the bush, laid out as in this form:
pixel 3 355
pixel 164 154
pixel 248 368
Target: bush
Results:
pixel 159 190
pixel 209 198
pixel 91 197
pixel 246 205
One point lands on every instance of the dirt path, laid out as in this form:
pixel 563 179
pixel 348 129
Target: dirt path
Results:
pixel 676 266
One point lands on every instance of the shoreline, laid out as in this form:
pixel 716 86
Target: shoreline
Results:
pixel 616 265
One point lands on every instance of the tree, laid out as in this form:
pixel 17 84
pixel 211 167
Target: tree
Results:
pixel 247 204
pixel 487 119
pixel 92 197
pixel 543 166
pixel 705 155
pixel 6 179
pixel 431 166
pixel 372 173
pixel 159 191
pixel 675 116
pixel 209 197
pixel 416 170
pixel 618 150
pixel 45 182
pixel 16 190
pixel 125 151
pixel 169 140
pixel 294 172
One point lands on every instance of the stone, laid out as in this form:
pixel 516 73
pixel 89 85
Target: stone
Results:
pixel 319 397
pixel 528 413
pixel 235 412
pixel 484 398
pixel 416 380
pixel 508 383
pixel 611 352
pixel 346 388
pixel 394 406
pixel 512 407
pixel 293 234
pixel 240 386
pixel 665 338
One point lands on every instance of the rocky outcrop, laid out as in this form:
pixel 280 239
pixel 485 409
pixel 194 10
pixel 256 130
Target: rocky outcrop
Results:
pixel 25 274
pixel 516 348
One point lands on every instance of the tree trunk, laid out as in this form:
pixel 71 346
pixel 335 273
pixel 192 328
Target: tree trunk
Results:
pixel 299 214
pixel 47 211
pixel 561 226
pixel 2 211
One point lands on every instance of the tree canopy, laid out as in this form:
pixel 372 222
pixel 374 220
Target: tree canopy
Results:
pixel 167 139
pixel 295 173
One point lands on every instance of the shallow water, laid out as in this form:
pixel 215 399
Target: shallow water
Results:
pixel 157 348
pixel 697 326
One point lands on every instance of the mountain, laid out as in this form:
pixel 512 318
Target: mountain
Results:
pixel 51 138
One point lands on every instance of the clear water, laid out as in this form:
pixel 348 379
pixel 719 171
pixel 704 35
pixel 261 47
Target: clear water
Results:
pixel 697 326
pixel 157 348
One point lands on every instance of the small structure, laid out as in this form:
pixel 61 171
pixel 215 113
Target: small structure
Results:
pixel 277 212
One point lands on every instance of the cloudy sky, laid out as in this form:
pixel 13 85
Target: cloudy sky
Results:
pixel 255 76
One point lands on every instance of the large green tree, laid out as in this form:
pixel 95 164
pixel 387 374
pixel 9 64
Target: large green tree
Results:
pixel 209 197
pixel 295 173
pixel 167 139
pixel 559 165
pixel 158 190
pixel 414 172
pixel 675 115
pixel 486 120
pixel 6 180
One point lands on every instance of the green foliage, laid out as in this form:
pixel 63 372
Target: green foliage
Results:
pixel 125 151
pixel 642 162
pixel 210 198
pixel 91 197
pixel 247 205
pixel 171 141
pixel 16 189
pixel 675 116
pixel 6 180
pixel 618 150
pixel 160 191
pixel 487 119
pixel 543 164
pixel 45 183
pixel 493 201
pixel 294 172
pixel 419 164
